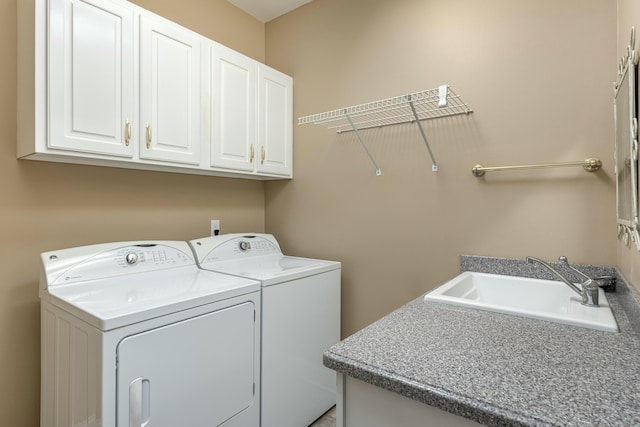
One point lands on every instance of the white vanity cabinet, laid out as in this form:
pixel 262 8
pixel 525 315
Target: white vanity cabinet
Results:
pixel 105 82
pixel 251 114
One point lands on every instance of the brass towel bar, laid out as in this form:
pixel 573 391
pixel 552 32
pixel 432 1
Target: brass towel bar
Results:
pixel 590 165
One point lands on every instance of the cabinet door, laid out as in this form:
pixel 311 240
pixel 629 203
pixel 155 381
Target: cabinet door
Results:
pixel 198 372
pixel 233 87
pixel 275 140
pixel 169 92
pixel 91 75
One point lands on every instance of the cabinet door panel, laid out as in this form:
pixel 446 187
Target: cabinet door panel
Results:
pixel 170 92
pixel 233 86
pixel 91 72
pixel 275 123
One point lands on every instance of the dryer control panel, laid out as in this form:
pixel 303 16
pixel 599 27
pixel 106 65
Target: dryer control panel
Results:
pixel 251 244
pixel 112 259
pixel 229 247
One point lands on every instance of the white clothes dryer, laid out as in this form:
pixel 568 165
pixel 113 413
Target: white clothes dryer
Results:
pixel 135 334
pixel 300 319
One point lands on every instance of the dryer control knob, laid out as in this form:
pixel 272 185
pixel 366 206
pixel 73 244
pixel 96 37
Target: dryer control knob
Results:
pixel 244 245
pixel 131 258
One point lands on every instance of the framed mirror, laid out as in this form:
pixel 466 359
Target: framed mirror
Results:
pixel 626 147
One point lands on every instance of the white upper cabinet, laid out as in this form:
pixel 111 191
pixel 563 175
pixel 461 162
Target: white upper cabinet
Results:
pixel 251 115
pixel 169 92
pixel 106 82
pixel 90 79
pixel 233 109
pixel 275 122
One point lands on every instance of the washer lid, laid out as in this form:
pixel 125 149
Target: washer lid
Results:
pixel 107 294
pixel 256 256
pixel 271 269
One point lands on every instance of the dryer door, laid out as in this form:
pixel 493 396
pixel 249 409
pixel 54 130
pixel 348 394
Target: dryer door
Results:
pixel 197 372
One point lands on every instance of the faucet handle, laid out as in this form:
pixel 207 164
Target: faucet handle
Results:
pixel 590 288
pixel 563 260
pixel 607 283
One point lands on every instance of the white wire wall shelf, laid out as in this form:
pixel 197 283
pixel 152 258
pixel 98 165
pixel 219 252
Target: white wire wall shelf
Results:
pixel 415 107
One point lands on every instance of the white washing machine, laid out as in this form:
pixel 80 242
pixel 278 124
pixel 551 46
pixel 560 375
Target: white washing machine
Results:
pixel 135 334
pixel 300 319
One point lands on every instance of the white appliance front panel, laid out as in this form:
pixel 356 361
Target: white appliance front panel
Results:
pixel 197 372
pixel 300 320
pixel 79 364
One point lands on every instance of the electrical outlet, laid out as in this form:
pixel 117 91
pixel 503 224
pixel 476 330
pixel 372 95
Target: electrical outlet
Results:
pixel 215 227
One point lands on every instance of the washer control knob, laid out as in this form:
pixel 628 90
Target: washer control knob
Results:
pixel 131 258
pixel 244 245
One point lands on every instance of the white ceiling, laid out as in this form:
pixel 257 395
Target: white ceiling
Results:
pixel 266 10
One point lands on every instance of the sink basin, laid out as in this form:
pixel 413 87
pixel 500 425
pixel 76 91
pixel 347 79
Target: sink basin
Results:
pixel 540 299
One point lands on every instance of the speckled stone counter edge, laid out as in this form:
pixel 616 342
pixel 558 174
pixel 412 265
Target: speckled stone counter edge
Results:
pixel 472 409
pixel 625 297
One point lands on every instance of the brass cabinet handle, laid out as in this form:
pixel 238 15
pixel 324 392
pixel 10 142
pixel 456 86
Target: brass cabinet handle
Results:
pixel 251 154
pixel 262 155
pixel 148 136
pixel 127 132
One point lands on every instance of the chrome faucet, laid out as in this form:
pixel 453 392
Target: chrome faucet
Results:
pixel 588 289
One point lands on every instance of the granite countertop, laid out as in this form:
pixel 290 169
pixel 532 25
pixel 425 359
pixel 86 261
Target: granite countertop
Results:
pixel 503 370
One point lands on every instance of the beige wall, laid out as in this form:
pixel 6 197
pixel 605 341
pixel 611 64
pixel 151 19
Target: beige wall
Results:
pixel 628 16
pixel 538 75
pixel 217 19
pixel 48 206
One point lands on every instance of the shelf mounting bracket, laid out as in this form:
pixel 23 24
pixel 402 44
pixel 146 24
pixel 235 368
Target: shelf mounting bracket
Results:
pixel 362 141
pixel 434 164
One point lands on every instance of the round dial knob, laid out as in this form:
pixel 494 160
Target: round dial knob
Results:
pixel 131 258
pixel 244 245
